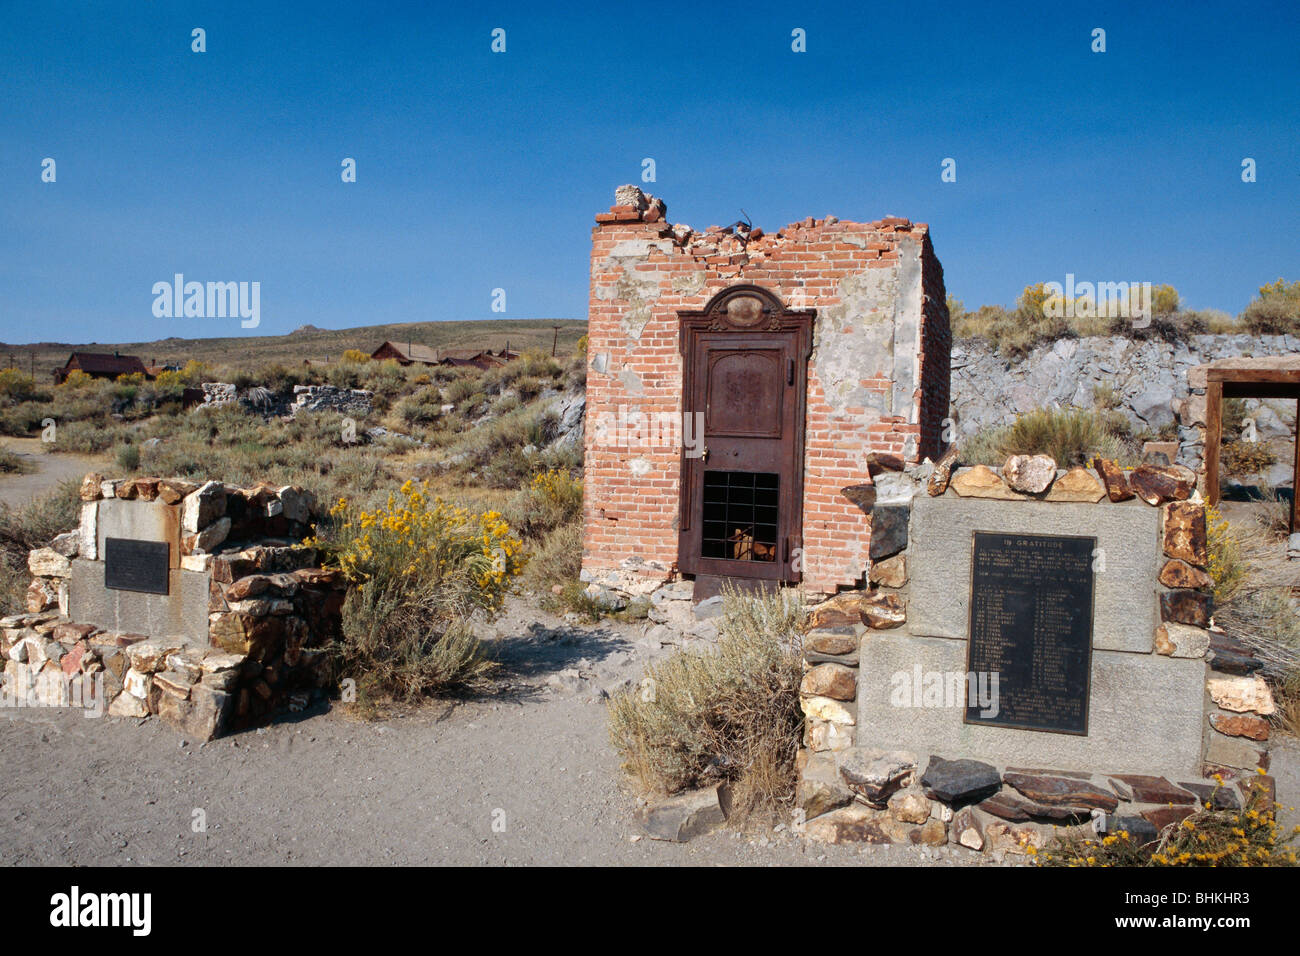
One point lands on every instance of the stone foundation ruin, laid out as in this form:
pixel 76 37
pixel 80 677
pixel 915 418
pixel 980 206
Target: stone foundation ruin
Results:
pixel 197 603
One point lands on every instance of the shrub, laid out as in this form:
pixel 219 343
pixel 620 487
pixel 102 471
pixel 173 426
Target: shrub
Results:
pixel 32 526
pixel 11 464
pixel 1227 568
pixel 16 386
pixel 1276 311
pixel 1250 836
pixel 553 497
pixel 127 457
pixel 355 356
pixel 420 567
pixel 731 713
pixel 1071 436
pixel 557 559
pixel 1245 457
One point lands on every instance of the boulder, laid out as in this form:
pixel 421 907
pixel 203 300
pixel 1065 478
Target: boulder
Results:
pixel 683 817
pixel 954 781
pixel 1032 474
pixel 48 563
pixel 1076 485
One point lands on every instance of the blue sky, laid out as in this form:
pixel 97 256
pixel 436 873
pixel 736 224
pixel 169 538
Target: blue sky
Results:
pixel 478 171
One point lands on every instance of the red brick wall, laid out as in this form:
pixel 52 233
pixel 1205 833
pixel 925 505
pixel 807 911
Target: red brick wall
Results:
pixel 849 272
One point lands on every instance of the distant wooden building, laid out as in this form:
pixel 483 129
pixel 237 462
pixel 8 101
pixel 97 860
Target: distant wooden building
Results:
pixel 407 353
pixel 101 365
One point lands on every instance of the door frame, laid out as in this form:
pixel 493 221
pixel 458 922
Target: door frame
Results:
pixel 724 313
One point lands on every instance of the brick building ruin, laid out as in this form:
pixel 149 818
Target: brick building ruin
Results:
pixel 742 384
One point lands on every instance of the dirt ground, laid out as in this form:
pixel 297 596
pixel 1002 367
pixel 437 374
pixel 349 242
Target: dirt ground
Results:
pixel 50 469
pixel 323 788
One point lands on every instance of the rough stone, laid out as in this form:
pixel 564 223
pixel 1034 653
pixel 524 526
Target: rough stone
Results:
pixel 1140 830
pixel 1057 791
pixel 933 832
pixel 41 595
pixel 1076 485
pixel 830 680
pixel 835 641
pixel 875 774
pixel 1242 694
pixel 1216 796
pixel 1181 640
pixel 1240 726
pixel 824 708
pixel 1032 474
pixel 983 482
pixel 128 705
pixel 1179 574
pixel 1114 479
pixel 1149 789
pixel 1186 607
pixel 1161 817
pixel 844 608
pixel 820 788
pixel 203 506
pixel 882 610
pixel 851 824
pixel 1184 536
pixel 941 476
pixel 888 530
pixel 954 781
pixel 46 562
pixel 1156 484
pixel 967 828
pixel 67 544
pixel 909 806
pixel 90 487
pixel 889 573
pixel 210 538
pixel 683 817
pixel 824 736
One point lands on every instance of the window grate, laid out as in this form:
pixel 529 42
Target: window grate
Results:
pixel 740 515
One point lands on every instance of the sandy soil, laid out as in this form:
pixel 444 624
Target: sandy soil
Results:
pixel 425 787
pixel 325 788
pixel 50 469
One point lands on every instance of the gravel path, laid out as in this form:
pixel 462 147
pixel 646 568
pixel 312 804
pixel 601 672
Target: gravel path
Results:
pixel 50 469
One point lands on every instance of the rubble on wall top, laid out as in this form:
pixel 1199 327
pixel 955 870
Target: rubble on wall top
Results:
pixel 632 205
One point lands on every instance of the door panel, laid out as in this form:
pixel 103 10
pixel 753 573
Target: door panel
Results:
pixel 742 494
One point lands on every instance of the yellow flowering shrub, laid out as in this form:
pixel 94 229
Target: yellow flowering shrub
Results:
pixel 420 567
pixel 1226 567
pixel 415 536
pixel 1250 836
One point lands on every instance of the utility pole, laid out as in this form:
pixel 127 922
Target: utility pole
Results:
pixel 556 341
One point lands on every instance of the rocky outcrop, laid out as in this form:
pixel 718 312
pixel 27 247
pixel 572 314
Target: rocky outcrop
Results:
pixel 1147 379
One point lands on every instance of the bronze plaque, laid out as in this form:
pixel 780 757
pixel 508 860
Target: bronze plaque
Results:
pixel 131 565
pixel 1031 625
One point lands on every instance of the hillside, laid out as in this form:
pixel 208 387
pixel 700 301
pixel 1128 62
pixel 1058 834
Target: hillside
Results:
pixel 309 343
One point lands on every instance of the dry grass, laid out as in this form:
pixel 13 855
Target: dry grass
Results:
pixel 1256 589
pixel 1071 436
pixel 730 713
pixel 32 526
